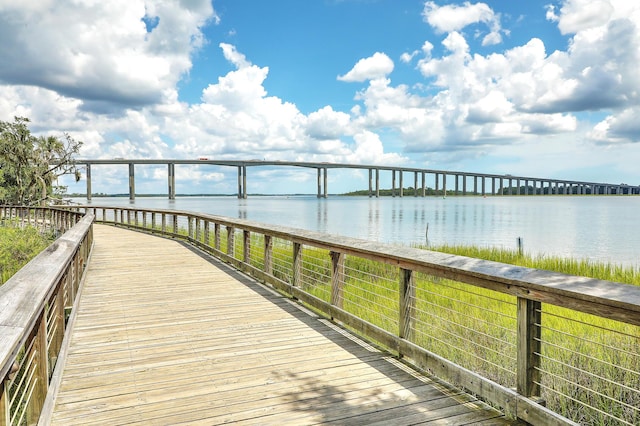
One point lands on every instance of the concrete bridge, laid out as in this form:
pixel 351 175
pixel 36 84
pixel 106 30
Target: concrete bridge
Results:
pixel 464 183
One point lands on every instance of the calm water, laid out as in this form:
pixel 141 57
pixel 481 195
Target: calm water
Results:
pixel 595 228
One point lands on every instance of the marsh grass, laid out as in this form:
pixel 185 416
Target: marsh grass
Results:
pixel 18 246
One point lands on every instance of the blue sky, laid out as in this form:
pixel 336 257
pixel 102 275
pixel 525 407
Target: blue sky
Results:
pixel 537 88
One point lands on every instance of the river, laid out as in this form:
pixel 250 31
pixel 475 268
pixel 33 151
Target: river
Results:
pixel 598 228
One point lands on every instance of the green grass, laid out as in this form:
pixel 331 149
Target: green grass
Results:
pixel 579 267
pixel 17 247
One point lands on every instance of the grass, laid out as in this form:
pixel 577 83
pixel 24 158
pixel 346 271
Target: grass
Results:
pixel 17 247
pixel 579 267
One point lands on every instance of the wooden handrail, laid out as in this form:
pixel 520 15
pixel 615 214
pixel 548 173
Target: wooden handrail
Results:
pixel 34 304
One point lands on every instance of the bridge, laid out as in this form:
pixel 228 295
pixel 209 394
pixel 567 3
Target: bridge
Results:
pixel 464 183
pixel 139 316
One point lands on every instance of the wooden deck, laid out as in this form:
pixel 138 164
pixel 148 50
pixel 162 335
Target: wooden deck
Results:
pixel 166 336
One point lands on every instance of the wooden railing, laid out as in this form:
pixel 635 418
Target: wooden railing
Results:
pixel 34 306
pixel 545 347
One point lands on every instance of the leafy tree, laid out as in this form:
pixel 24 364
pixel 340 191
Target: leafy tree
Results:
pixel 30 165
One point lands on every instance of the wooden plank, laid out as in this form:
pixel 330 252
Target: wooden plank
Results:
pixel 153 346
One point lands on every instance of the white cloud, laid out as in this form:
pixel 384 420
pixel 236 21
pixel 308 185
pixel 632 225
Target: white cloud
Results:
pixel 581 15
pixel 377 66
pixel 369 150
pixel 615 129
pixel 407 57
pixel 327 124
pixel 232 55
pixel 452 18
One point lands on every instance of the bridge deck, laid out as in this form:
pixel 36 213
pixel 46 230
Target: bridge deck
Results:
pixel 154 345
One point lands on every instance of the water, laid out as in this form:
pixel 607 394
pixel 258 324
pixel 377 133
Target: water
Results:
pixel 596 228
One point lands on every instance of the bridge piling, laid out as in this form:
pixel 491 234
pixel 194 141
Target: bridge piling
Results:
pixel 132 182
pixel 244 182
pixel 326 193
pixel 171 177
pixel 393 183
pixel 88 173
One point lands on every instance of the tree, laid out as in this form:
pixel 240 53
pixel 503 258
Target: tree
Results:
pixel 30 165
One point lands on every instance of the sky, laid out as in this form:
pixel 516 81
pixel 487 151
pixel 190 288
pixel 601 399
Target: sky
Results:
pixel 532 88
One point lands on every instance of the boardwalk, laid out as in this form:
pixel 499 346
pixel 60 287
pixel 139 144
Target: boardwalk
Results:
pixel 165 336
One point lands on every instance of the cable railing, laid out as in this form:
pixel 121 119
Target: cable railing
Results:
pixel 35 304
pixel 545 347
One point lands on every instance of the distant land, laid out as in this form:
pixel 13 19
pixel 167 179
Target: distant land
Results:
pixel 410 191
pixel 125 195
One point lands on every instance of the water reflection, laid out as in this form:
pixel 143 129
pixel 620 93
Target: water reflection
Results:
pixel 598 228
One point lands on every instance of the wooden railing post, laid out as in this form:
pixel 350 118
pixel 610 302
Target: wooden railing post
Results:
pixel 528 373
pixel 246 243
pixel 231 231
pixel 207 239
pixel 337 278
pixel 61 325
pixel 190 227
pixel 407 304
pixel 175 224
pixel 268 254
pixel 4 404
pixel 216 235
pixel 198 230
pixel 41 373
pixel 297 265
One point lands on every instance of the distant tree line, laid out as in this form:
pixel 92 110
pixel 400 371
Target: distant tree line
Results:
pixel 410 192
pixel 30 165
pixel 522 190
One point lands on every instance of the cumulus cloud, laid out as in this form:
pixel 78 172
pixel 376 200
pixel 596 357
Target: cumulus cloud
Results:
pixel 527 90
pixel 615 129
pixel 581 15
pixel 101 52
pixel 377 66
pixel 452 18
pixel 327 124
